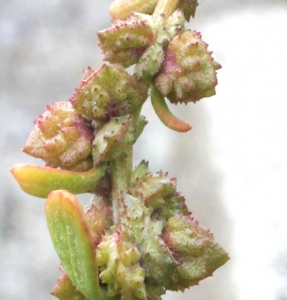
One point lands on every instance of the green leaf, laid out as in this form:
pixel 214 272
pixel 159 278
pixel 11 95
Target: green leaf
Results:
pixel 40 181
pixel 165 115
pixel 73 243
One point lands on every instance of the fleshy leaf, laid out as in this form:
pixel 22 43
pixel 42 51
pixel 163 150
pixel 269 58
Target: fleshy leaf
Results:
pixel 165 115
pixel 188 73
pixel 109 92
pixel 40 181
pixel 62 138
pixel 73 242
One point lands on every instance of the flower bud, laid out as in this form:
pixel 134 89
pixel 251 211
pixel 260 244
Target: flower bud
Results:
pixel 62 138
pixel 120 269
pixel 195 250
pixel 188 72
pixel 125 42
pixel 109 92
pixel 141 40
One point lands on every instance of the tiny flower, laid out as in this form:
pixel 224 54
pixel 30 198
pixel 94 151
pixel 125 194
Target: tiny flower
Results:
pixel 188 72
pixel 62 138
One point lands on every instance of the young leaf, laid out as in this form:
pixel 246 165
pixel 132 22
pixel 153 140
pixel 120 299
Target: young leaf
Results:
pixel 40 181
pixel 73 243
pixel 165 114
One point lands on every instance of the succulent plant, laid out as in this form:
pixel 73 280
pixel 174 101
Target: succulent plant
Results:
pixel 136 239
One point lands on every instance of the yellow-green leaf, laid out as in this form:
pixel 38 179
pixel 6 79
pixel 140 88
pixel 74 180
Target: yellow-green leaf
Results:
pixel 40 181
pixel 165 115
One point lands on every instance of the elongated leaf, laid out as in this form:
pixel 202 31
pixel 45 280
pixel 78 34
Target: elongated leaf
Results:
pixel 165 115
pixel 40 181
pixel 72 240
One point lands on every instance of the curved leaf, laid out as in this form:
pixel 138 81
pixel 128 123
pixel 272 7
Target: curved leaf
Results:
pixel 165 114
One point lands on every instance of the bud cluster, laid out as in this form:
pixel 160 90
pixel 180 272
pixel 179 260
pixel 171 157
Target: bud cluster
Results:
pixel 136 239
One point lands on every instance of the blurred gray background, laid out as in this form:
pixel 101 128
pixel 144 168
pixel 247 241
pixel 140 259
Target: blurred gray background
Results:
pixel 232 166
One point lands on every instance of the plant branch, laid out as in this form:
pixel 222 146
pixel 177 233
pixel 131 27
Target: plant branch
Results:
pixel 120 174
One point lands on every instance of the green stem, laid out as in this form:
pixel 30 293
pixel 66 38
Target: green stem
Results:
pixel 121 169
pixel 165 7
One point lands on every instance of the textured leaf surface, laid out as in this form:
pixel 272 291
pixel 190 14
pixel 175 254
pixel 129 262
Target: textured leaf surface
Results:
pixel 72 241
pixel 40 181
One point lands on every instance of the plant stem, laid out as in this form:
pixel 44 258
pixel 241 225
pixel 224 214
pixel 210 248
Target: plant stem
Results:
pixel 165 7
pixel 120 174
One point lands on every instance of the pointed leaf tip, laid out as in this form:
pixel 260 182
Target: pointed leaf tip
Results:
pixel 165 114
